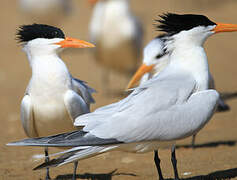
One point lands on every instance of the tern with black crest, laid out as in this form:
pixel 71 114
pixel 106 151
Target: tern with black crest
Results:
pixel 156 60
pixel 53 98
pixel 169 107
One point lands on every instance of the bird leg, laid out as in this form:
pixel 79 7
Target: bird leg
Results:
pixel 157 162
pixel 193 141
pixel 174 162
pixel 47 160
pixel 75 170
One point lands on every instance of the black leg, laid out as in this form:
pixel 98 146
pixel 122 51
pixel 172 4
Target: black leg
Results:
pixel 47 160
pixel 193 140
pixel 174 163
pixel 75 170
pixel 157 162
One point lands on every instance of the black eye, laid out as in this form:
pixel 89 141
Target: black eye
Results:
pixel 159 56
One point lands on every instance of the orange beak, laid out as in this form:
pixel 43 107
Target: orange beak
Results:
pixel 138 75
pixel 93 2
pixel 220 27
pixel 74 43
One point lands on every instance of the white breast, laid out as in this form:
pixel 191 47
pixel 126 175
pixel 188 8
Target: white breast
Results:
pixel 50 81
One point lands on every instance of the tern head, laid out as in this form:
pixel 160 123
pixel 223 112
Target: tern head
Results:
pixel 191 27
pixel 179 30
pixel 153 56
pixel 41 39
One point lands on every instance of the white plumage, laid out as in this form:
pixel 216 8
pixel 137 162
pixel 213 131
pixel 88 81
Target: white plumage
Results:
pixel 117 35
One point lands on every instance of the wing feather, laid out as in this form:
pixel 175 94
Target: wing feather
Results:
pixel 84 90
pixel 75 105
pixel 27 117
pixel 144 114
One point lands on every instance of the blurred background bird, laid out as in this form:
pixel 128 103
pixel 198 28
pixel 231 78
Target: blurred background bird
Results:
pixel 118 36
pixel 46 11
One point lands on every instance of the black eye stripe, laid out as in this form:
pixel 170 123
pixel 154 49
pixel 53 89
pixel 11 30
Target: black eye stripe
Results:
pixel 27 33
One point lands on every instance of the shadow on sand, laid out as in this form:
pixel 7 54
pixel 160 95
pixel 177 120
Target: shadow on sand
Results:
pixel 228 95
pixel 90 176
pixel 217 175
pixel 210 144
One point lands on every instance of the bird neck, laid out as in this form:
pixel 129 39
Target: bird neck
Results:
pixel 190 57
pixel 48 67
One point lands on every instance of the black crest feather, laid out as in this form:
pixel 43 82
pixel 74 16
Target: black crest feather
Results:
pixel 174 23
pixel 26 33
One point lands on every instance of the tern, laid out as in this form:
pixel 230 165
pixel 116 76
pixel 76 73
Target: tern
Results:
pixel 53 98
pixel 169 107
pixel 46 11
pixel 118 37
pixel 155 60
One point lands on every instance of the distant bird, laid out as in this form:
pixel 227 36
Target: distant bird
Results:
pixel 155 60
pixel 46 11
pixel 118 37
pixel 53 98
pixel 169 107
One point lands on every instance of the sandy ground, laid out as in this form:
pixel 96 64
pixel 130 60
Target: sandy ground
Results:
pixel 216 154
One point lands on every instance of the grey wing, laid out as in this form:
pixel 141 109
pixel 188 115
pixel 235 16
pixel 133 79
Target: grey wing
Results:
pixel 84 90
pixel 27 117
pixel 171 129
pixel 173 114
pixel 222 106
pixel 71 139
pixel 75 104
pixel 142 115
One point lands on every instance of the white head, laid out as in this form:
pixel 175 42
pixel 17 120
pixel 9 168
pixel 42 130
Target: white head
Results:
pixel 40 40
pixel 154 58
pixel 153 51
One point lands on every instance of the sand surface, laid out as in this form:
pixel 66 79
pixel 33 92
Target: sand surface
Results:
pixel 216 153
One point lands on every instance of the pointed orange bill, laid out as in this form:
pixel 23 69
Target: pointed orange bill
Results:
pixel 74 43
pixel 138 75
pixel 220 27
